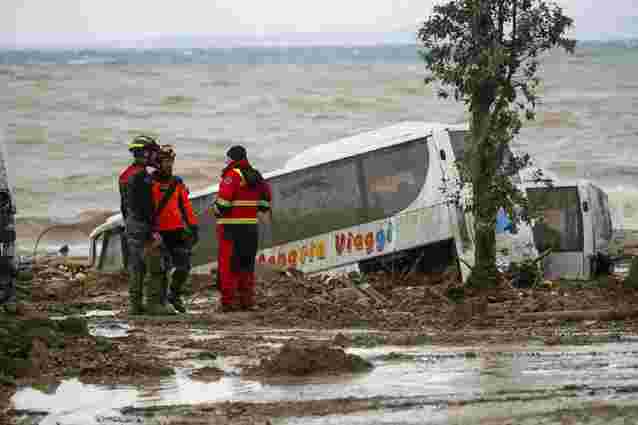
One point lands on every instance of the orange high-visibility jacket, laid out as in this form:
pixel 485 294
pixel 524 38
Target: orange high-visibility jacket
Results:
pixel 242 192
pixel 178 211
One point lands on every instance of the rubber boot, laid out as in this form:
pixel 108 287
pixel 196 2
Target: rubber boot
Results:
pixel 177 290
pixel 154 306
pixel 136 293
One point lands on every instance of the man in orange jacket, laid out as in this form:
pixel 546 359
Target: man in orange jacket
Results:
pixel 242 193
pixel 178 227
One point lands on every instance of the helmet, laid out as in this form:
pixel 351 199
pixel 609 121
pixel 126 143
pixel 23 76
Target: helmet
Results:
pixel 167 152
pixel 236 153
pixel 143 142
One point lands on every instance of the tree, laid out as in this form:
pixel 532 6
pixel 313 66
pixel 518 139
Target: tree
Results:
pixel 486 53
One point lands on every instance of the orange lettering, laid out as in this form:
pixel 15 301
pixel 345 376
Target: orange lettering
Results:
pixel 369 241
pixel 358 242
pixel 321 249
pixel 292 257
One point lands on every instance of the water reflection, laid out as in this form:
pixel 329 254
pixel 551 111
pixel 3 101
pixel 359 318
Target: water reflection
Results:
pixel 456 378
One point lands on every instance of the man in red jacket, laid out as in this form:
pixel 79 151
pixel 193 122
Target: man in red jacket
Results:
pixel 242 193
pixel 136 147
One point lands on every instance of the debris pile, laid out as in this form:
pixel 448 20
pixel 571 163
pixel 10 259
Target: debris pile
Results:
pixel 299 358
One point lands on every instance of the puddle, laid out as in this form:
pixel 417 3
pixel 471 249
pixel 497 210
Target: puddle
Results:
pixel 422 381
pixel 101 313
pixel 109 328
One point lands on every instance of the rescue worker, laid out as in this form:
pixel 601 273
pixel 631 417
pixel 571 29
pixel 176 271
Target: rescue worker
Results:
pixel 177 225
pixel 8 268
pixel 143 242
pixel 8 263
pixel 136 147
pixel 243 193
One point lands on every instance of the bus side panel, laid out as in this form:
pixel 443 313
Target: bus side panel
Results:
pixel 381 237
pixel 205 251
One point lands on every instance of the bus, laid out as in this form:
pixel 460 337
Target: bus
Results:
pixel 373 201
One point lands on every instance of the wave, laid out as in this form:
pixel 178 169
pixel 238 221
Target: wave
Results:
pixel 178 100
pixel 92 61
pixel 623 202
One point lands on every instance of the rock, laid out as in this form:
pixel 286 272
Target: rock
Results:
pixel 341 340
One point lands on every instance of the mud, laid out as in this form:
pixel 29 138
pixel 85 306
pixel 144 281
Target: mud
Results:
pixel 298 358
pixel 326 330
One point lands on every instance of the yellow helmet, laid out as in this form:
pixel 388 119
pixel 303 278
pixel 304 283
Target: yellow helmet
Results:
pixel 142 142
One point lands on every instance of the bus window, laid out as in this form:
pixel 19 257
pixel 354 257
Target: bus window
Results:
pixel 393 178
pixel 314 201
pixel 561 227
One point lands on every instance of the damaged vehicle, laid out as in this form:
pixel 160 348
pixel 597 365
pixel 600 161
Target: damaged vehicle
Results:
pixel 374 201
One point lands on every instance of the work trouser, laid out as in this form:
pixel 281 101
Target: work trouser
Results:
pixel 136 268
pixel 7 279
pixel 236 263
pixel 125 250
pixel 176 252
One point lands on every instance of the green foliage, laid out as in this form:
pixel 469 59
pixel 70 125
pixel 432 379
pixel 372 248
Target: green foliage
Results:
pixel 616 329
pixel 527 273
pixel 456 294
pixel 206 355
pixel 103 344
pixel 367 340
pixel 486 53
pixel 74 326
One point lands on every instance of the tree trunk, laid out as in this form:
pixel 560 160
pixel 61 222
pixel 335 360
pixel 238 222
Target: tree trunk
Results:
pixel 483 168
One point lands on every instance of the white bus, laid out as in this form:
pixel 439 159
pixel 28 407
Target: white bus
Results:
pixel 365 202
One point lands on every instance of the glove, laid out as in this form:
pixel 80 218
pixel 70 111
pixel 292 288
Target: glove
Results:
pixel 214 209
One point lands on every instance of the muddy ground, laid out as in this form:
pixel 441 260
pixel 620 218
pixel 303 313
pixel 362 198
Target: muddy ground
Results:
pixel 315 317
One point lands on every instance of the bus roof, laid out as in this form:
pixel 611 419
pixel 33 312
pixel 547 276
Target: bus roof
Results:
pixel 362 143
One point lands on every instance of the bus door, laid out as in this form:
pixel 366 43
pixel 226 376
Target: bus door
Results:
pixel 560 227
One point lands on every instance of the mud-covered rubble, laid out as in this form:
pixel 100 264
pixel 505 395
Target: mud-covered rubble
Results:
pixel 384 308
pixel 301 358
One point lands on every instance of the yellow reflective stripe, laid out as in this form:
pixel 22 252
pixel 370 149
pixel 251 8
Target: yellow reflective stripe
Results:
pixel 243 180
pixel 223 202
pixel 237 220
pixel 245 203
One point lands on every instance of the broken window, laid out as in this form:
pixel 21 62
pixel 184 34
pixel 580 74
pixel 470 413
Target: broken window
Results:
pixel 315 200
pixel 560 227
pixel 393 178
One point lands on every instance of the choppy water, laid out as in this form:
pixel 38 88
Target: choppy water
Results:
pixel 69 115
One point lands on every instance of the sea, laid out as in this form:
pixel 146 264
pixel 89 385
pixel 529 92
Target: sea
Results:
pixel 68 115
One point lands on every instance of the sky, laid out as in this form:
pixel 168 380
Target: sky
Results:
pixel 60 22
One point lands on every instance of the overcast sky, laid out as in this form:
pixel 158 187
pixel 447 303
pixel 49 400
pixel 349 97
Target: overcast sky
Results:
pixel 24 22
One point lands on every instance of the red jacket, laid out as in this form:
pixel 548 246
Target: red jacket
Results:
pixel 242 192
pixel 178 212
pixel 125 175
